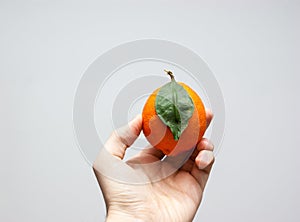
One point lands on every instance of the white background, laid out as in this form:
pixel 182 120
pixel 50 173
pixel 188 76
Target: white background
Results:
pixel 251 46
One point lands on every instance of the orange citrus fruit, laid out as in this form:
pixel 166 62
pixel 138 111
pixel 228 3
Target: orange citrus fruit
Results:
pixel 159 134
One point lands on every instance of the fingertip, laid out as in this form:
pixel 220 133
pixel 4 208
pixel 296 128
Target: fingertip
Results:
pixel 204 159
pixel 205 144
pixel 209 116
pixel 136 124
pixel 138 117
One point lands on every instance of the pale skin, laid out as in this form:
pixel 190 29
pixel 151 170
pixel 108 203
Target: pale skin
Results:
pixel 175 198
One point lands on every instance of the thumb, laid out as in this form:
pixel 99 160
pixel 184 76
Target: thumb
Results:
pixel 124 137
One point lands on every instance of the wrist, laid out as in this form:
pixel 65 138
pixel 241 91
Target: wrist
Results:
pixel 112 217
pixel 124 216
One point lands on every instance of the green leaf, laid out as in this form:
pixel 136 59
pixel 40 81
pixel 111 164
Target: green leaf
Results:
pixel 174 107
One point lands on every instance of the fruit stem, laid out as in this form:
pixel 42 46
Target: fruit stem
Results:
pixel 170 74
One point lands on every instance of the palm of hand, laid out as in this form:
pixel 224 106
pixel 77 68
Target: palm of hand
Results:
pixel 175 198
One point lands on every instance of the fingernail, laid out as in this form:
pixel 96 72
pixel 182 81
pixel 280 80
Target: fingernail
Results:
pixel 205 159
pixel 210 146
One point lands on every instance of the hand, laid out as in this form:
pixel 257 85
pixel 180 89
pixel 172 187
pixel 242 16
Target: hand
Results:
pixel 174 198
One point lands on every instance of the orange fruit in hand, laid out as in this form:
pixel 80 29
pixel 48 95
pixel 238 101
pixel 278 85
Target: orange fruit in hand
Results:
pixel 162 129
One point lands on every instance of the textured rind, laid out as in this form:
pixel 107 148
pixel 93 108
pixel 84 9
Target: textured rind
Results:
pixel 161 136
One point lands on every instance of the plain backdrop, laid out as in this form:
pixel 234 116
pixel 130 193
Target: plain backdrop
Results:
pixel 251 46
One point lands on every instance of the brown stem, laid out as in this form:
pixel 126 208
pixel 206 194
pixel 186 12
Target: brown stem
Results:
pixel 170 74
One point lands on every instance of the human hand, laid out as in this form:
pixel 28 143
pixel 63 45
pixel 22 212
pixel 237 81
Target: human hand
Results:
pixel 174 198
